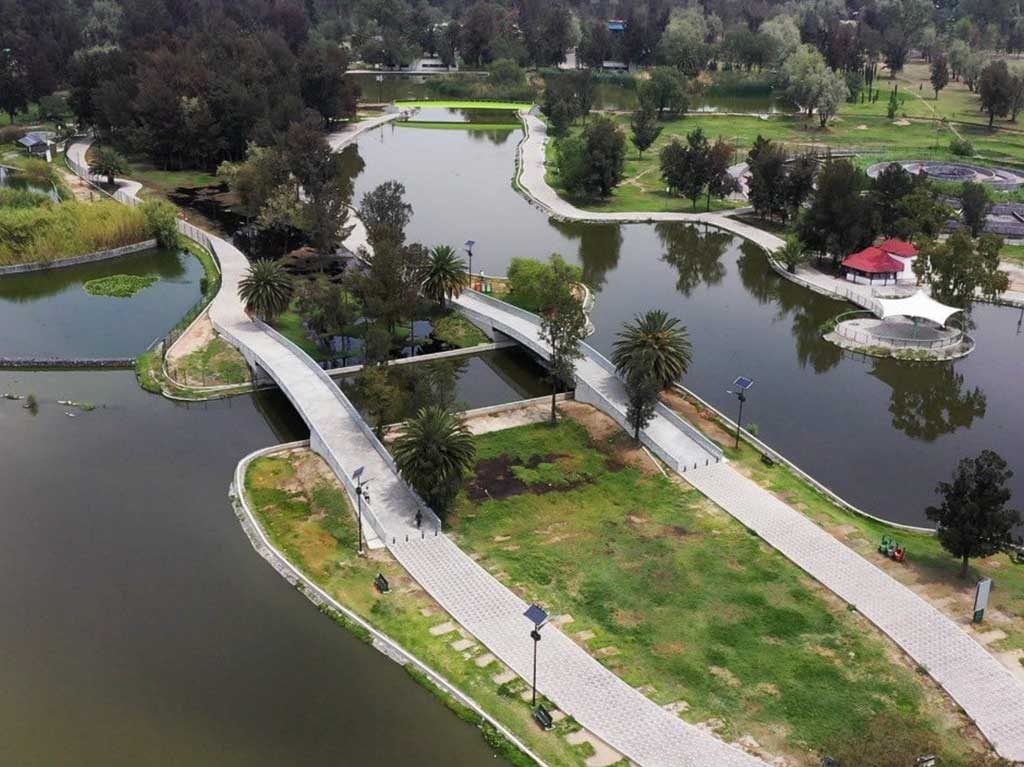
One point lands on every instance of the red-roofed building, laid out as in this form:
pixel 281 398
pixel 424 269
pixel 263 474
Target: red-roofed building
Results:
pixel 872 262
pixel 904 252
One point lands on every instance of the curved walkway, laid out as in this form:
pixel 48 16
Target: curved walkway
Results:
pixel 979 683
pixel 578 684
pixel 575 681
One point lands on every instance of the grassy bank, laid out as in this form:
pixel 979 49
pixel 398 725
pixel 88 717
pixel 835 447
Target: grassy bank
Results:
pixel 928 569
pixel 305 513
pixel 877 137
pixel 50 232
pixel 680 600
pixel 215 363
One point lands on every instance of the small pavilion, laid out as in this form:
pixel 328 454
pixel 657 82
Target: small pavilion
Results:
pixel 904 252
pixel 872 263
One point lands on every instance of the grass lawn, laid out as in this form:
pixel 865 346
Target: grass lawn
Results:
pixel 1013 253
pixel 456 330
pixel 457 104
pixel 431 125
pixel 929 569
pixel 679 599
pixel 878 137
pixel 216 363
pixel 303 510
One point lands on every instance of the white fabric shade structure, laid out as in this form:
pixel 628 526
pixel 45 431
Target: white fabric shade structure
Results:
pixel 920 305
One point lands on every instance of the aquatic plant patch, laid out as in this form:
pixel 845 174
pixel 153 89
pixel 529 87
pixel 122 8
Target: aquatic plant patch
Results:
pixel 119 285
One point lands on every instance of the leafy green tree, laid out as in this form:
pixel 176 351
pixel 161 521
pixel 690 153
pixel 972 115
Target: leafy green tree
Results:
pixel 563 325
pixel 767 162
pixel 798 182
pixel 266 290
pixel 840 218
pixel 591 164
pixel 385 213
pixel 327 309
pixel 888 191
pixel 973 519
pixel 15 85
pixel 922 214
pixel 443 275
pixel 108 162
pixel 653 343
pixel 975 205
pixel 721 183
pixel 529 280
pixel 434 452
pixel 642 390
pixel 382 396
pixel 939 73
pixel 995 89
pixel 645 129
pixel 960 267
pixel 813 86
pixel 687 169
pixel 894 103
pixel 664 91
pixel 792 254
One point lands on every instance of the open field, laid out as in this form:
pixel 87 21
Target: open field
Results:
pixel 876 138
pixel 680 600
pixel 928 569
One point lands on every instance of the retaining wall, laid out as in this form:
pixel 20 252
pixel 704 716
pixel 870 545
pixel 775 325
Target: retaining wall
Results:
pixel 88 258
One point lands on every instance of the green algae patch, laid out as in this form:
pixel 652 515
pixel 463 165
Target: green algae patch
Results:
pixel 119 285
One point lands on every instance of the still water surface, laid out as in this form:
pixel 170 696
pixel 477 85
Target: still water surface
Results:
pixel 49 314
pixel 138 626
pixel 879 432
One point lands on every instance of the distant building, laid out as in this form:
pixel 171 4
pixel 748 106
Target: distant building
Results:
pixel 616 26
pixel 38 142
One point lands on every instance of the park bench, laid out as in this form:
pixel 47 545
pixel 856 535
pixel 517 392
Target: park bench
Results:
pixel 543 718
pixel 767 460
pixel 382 583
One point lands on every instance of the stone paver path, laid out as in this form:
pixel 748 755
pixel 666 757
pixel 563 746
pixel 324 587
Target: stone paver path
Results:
pixel 982 686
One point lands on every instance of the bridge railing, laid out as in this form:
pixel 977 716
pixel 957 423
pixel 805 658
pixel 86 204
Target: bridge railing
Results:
pixel 605 364
pixel 429 517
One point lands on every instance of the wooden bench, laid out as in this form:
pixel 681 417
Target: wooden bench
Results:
pixel 382 583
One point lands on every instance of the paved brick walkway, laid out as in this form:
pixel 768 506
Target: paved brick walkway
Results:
pixel 575 681
pixel 982 686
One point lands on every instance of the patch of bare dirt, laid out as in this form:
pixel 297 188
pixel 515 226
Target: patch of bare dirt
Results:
pixel 495 479
pixel 611 439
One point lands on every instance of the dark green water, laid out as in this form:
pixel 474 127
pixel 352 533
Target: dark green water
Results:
pixel 879 432
pixel 137 624
pixel 49 313
pixel 464 383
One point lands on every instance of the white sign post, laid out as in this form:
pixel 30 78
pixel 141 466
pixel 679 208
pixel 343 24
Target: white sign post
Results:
pixel 981 599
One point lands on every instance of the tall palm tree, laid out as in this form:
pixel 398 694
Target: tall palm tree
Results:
pixel 653 344
pixel 444 275
pixel 792 254
pixel 433 454
pixel 266 290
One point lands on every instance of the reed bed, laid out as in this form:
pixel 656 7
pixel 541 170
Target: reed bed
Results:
pixel 50 232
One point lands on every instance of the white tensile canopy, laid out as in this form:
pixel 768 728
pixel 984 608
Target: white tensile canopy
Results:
pixel 919 305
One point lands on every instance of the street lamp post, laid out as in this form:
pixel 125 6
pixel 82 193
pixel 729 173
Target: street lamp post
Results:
pixel 362 494
pixel 380 89
pixel 538 617
pixel 469 249
pixel 742 383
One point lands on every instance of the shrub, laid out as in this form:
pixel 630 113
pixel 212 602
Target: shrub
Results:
pixel 961 147
pixel 162 219
pixel 21 198
pixel 528 279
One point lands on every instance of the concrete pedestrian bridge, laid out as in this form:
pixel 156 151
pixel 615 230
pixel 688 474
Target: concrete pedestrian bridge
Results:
pixel 575 681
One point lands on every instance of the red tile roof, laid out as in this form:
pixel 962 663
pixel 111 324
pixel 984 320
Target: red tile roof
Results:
pixel 899 248
pixel 873 261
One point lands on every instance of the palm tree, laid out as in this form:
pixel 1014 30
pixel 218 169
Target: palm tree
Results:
pixel 433 454
pixel 108 162
pixel 266 290
pixel 792 254
pixel 653 344
pixel 443 276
